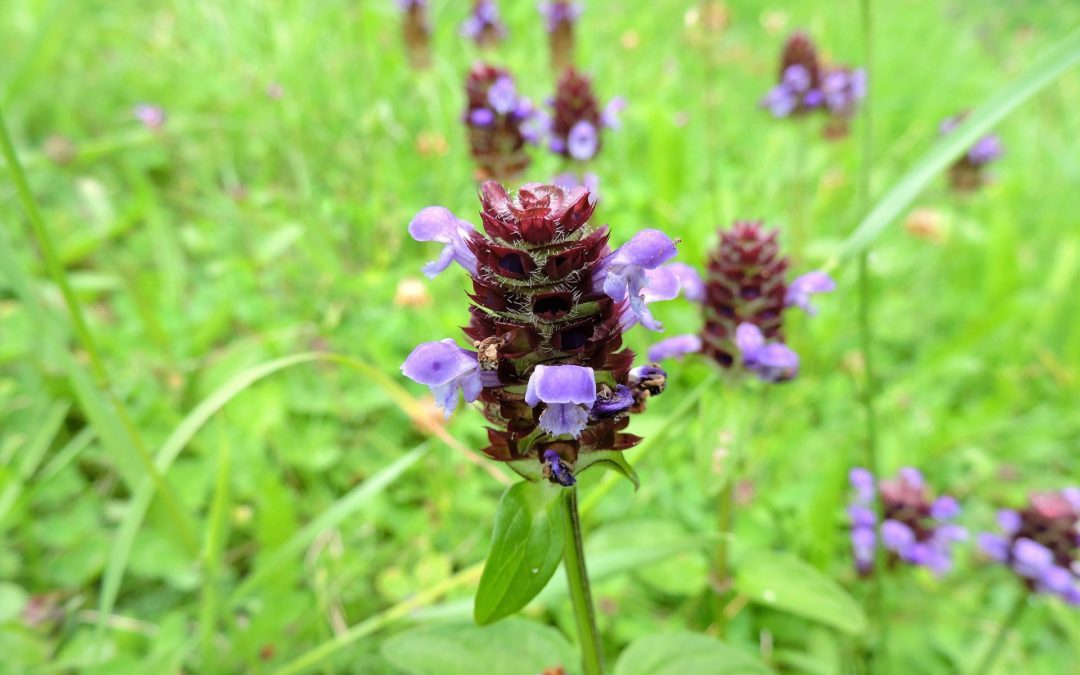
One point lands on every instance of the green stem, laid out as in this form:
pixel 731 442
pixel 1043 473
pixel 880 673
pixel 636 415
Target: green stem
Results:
pixel 55 269
pixel 577 578
pixel 866 336
pixel 998 642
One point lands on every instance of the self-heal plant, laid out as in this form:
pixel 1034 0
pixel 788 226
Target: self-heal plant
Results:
pixel 500 124
pixel 559 19
pixel 483 25
pixel 744 297
pixel 807 85
pixel 1041 543
pixel 578 120
pixel 914 528
pixel 550 302
pixel 968 172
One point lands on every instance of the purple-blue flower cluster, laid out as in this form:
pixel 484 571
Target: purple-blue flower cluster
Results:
pixel 1041 543
pixel 559 12
pixel 914 529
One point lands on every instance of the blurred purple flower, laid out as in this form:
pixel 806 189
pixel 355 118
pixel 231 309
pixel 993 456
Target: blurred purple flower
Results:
pixel 151 116
pixel 771 362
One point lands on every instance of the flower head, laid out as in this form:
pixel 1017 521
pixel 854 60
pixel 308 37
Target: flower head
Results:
pixel 968 172
pixel 806 85
pixel 914 529
pixel 577 119
pixel 500 123
pixel 1041 543
pixel 483 25
pixel 151 116
pixel 555 383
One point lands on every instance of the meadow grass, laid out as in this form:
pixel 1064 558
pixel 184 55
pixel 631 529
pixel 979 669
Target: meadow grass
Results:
pixel 309 495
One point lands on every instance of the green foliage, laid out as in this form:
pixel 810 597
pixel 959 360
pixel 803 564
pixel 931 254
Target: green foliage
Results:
pixel 511 647
pixel 526 547
pixel 277 506
pixel 674 653
pixel 786 583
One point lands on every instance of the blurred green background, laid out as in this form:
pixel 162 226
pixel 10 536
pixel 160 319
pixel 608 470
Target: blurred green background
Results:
pixel 253 226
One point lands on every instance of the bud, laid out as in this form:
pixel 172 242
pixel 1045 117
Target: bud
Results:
pixel 915 529
pixel 500 123
pixel 551 301
pixel 1041 543
pixel 577 120
pixel 416 32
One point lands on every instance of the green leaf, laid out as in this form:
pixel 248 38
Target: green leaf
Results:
pixel 526 547
pixel 680 653
pixel 512 647
pixel 1052 64
pixel 788 584
pixel 610 459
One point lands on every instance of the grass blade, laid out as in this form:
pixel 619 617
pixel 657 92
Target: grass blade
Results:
pixel 1046 69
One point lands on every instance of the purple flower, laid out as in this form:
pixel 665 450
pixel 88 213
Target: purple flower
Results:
pixel 611 403
pixel 1030 558
pixel 912 478
pixel 1009 521
pixel 994 546
pixel 436 223
pixel 151 116
pixel 863 541
pixel 1072 496
pixel 560 473
pixel 582 141
pixel 483 24
pixel 863 481
pixel 624 271
pixel 897 537
pixel 802 287
pixel 665 283
pixel 914 530
pixel 861 516
pixel 843 89
pixel 559 11
pixel 445 368
pixel 985 150
pixel 781 101
pixel 482 117
pixel 406 5
pixel 944 508
pixel 797 78
pixel 611 112
pixel 772 362
pixel 502 96
pixel 675 347
pixel 568 393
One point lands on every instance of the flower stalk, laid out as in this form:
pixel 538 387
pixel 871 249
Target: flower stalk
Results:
pixel 577 578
